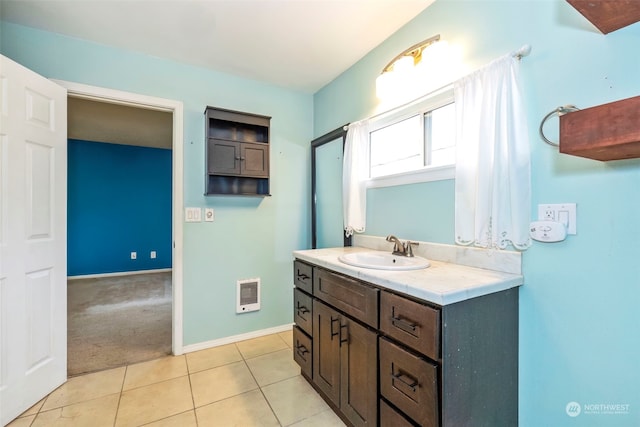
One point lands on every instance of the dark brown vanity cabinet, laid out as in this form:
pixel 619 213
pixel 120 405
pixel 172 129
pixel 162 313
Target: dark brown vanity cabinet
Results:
pixel 389 359
pixel 343 364
pixel 237 161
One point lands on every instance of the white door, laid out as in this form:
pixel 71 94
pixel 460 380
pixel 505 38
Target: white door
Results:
pixel 33 241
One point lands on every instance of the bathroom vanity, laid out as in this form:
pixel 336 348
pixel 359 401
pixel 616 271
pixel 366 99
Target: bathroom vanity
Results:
pixel 430 347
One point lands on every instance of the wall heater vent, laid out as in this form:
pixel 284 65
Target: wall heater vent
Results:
pixel 248 295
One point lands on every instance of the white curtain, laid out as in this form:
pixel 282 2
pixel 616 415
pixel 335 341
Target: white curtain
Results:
pixel 354 177
pixel 493 184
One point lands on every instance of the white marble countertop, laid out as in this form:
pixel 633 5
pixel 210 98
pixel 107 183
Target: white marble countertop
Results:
pixel 442 283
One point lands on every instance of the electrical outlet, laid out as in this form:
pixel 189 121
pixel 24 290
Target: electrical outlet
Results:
pixel 208 214
pixel 153 254
pixel 561 212
pixel 134 255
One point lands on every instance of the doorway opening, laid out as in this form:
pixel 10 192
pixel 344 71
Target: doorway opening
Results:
pixel 141 296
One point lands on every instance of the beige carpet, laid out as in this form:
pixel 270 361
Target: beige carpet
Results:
pixel 115 321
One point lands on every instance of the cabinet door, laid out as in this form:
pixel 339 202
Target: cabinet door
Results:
pixel 410 383
pixel 223 157
pixel 302 351
pixel 326 350
pixel 359 373
pixel 347 294
pixel 413 324
pixel 303 311
pixel 303 276
pixel 254 160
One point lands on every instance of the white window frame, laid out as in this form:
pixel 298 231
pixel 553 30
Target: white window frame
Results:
pixel 422 105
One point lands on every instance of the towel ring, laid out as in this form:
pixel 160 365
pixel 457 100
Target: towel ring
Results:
pixel 559 112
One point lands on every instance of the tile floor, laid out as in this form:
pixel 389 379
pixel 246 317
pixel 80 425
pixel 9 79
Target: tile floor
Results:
pixel 249 383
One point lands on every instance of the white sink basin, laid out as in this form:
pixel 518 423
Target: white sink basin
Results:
pixel 383 261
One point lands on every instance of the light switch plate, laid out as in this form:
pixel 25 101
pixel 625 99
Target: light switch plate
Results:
pixel 193 214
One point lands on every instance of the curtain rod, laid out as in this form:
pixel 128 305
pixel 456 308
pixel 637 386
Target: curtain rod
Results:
pixel 525 50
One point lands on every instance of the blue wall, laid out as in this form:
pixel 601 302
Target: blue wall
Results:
pixel 119 201
pixel 250 237
pixel 579 317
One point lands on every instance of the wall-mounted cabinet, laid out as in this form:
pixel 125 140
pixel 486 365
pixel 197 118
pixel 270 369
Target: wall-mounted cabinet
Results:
pixel 237 160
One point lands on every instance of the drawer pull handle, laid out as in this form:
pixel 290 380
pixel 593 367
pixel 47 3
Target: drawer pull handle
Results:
pixel 404 325
pixel 344 340
pixel 333 334
pixel 406 380
pixel 302 309
pixel 301 350
pixel 302 276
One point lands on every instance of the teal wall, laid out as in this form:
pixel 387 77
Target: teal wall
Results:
pixel 250 237
pixel 118 202
pixel 579 317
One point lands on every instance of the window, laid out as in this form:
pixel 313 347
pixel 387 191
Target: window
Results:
pixel 415 143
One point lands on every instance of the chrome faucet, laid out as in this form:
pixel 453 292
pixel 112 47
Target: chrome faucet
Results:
pixel 399 248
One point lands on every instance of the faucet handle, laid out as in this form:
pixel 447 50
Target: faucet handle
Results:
pixel 408 250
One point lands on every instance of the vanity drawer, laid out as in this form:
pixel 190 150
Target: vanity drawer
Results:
pixel 413 324
pixel 409 382
pixel 391 417
pixel 303 311
pixel 303 276
pixel 349 295
pixel 302 351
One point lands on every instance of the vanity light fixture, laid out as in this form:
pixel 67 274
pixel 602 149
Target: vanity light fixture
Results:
pixel 412 69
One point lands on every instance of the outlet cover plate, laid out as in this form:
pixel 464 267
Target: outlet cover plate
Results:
pixel 561 212
pixel 209 214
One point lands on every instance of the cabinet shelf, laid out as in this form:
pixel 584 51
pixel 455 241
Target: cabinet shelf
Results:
pixel 237 160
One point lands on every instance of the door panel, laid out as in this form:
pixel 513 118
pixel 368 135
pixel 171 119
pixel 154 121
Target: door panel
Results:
pixel 224 157
pixel 38 168
pixel 359 394
pixel 33 276
pixel 255 160
pixel 38 311
pixel 326 350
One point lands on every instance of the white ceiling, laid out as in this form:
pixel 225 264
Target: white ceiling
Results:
pixel 298 44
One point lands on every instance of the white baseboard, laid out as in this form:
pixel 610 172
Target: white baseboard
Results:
pixel 119 273
pixel 235 338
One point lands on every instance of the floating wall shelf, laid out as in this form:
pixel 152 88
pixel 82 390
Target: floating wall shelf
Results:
pixel 608 15
pixel 606 132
